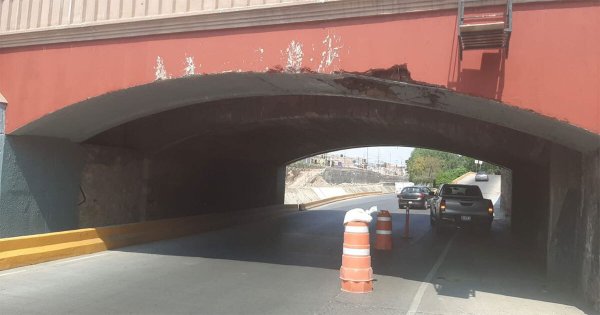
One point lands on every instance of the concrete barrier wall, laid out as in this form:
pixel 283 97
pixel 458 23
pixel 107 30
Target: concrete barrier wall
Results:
pixel 311 194
pixel 33 249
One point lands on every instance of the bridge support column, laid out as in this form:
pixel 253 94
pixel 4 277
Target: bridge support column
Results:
pixel 573 249
pixel 39 185
pixel 530 204
pixel 588 229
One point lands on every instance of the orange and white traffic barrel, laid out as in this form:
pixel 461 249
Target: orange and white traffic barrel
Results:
pixel 383 239
pixel 356 272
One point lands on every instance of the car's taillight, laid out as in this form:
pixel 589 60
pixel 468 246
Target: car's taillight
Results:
pixel 443 205
pixel 490 207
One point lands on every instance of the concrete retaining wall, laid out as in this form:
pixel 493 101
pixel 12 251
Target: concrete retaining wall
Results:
pixel 311 194
pixel 40 185
pixel 52 185
pixel 112 187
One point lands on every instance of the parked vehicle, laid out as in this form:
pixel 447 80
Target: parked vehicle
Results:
pixel 461 205
pixel 481 177
pixel 414 196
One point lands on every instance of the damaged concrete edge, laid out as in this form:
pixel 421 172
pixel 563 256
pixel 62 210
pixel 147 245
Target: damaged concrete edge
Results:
pixel 33 249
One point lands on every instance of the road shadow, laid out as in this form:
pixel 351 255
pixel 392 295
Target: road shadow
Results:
pixel 314 239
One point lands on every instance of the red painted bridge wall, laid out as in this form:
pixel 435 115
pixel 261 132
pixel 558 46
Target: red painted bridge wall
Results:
pixel 553 65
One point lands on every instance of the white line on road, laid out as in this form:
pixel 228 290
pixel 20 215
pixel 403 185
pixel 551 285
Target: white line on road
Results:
pixel 416 301
pixel 11 273
pixel 54 263
pixel 61 262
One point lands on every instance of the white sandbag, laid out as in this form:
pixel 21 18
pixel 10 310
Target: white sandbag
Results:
pixel 359 215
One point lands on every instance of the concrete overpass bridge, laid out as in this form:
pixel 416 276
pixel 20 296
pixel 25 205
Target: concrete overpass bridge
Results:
pixel 123 111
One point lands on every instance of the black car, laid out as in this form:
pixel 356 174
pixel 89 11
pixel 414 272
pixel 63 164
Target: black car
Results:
pixel 414 196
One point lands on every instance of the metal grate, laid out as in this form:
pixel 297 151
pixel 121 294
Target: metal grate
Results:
pixel 484 31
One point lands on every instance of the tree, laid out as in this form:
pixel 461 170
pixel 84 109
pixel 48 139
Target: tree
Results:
pixel 424 168
pixel 436 167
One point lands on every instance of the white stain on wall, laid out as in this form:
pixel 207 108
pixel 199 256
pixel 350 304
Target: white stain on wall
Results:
pixel 190 67
pixel 261 53
pixel 294 57
pixel 160 72
pixel 330 53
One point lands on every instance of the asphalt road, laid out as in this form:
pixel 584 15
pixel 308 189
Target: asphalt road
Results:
pixel 290 265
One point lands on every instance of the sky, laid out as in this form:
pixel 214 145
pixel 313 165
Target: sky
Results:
pixel 396 155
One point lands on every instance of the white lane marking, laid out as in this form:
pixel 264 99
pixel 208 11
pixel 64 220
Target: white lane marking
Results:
pixel 53 263
pixel 356 252
pixel 61 262
pixel 357 229
pixel 11 273
pixel 416 301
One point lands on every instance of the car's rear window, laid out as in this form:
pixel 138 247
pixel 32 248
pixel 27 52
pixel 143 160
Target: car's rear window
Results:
pixel 469 191
pixel 411 190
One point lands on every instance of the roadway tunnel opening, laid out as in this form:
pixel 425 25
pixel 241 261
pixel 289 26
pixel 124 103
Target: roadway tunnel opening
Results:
pixel 213 144
pixel 348 173
pixel 231 154
pixel 191 158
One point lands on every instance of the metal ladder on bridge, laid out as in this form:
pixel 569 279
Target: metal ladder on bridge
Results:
pixel 478 31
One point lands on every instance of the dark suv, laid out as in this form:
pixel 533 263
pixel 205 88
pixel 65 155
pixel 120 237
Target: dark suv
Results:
pixel 415 196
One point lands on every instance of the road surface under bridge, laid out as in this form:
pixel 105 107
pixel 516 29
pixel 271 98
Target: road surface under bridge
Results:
pixel 290 265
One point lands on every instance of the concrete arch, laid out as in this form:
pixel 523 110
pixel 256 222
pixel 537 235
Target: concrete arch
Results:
pixel 280 129
pixel 85 119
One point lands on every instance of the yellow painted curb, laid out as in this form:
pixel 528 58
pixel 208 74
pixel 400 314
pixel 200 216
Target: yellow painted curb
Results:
pixel 33 249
